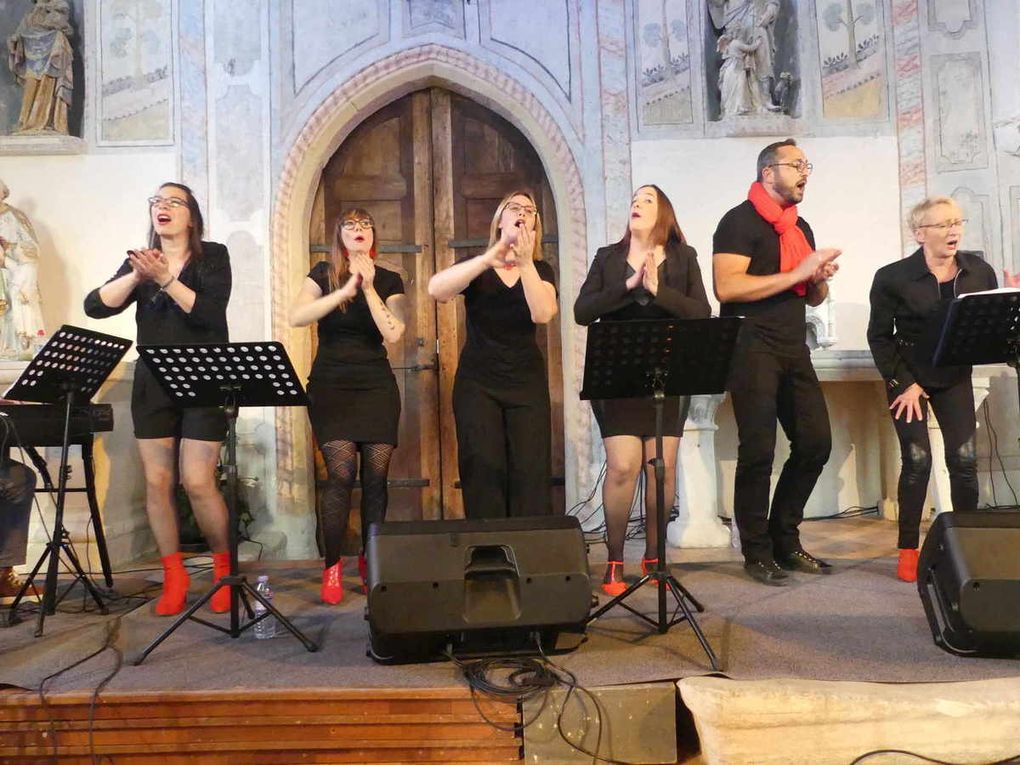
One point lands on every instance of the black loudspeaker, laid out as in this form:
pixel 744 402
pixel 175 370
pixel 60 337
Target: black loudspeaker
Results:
pixel 968 576
pixel 485 587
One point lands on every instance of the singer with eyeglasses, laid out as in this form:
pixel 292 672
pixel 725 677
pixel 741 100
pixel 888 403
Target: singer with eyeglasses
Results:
pixel 767 269
pixel 354 403
pixel 501 391
pixel 180 286
pixel 908 299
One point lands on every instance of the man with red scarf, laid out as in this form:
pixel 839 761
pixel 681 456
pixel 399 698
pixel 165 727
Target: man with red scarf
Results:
pixel 766 268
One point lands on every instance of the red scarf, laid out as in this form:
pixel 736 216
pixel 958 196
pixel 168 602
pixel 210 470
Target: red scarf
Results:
pixel 793 245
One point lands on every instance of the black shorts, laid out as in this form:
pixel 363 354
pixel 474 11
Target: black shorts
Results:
pixel 156 415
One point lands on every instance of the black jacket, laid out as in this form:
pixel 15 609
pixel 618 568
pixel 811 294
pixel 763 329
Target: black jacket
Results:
pixel 604 294
pixel 906 315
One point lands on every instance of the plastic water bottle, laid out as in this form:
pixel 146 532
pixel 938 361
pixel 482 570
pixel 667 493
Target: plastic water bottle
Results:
pixel 266 628
pixel 38 342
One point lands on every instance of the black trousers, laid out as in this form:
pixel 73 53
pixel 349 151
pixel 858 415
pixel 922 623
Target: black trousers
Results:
pixel 954 410
pixel 766 388
pixel 503 447
pixel 17 489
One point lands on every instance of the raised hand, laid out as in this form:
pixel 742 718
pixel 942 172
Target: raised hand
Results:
pixel 524 248
pixel 361 264
pixel 814 263
pixel 1010 280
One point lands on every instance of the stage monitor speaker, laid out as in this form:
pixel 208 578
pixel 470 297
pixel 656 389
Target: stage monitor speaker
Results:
pixel 483 587
pixel 968 577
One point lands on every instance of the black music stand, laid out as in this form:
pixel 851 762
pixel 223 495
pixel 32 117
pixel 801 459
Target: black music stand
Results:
pixel 227 375
pixel 981 328
pixel 653 359
pixel 70 368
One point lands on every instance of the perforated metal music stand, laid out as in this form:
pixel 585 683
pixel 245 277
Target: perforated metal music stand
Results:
pixel 981 328
pixel 654 359
pixel 227 375
pixel 70 368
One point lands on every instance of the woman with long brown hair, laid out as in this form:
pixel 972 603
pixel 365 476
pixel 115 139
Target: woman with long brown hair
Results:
pixel 501 392
pixel 354 402
pixel 651 273
pixel 180 286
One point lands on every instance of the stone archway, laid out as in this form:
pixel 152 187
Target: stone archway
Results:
pixel 352 101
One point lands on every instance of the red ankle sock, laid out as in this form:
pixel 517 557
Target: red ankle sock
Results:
pixel 220 602
pixel 175 586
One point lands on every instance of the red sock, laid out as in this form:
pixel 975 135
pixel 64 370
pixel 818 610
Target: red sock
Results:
pixel 220 602
pixel 175 586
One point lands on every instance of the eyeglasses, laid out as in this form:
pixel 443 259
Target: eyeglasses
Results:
pixel 174 202
pixel 802 167
pixel 516 209
pixel 355 224
pixel 946 225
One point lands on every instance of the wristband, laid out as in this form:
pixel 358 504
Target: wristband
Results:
pixel 171 280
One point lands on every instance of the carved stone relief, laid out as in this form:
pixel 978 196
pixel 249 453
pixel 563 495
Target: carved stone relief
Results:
pixel 663 62
pixel 852 59
pixel 960 131
pixel 952 17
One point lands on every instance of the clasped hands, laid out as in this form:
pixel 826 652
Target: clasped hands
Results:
pixel 362 274
pixel 647 275
pixel 150 264
pixel 516 247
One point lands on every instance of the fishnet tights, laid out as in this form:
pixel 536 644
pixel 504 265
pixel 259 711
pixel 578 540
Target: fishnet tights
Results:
pixel 341 459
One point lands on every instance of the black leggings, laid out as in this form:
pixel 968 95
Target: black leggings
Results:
pixel 954 411
pixel 335 508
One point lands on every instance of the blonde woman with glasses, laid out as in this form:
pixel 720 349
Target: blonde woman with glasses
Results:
pixel 354 401
pixel 501 391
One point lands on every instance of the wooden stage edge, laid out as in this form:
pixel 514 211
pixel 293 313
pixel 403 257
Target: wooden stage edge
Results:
pixel 256 728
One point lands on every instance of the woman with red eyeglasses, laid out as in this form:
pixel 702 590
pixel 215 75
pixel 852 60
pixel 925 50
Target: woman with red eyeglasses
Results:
pixel 354 402
pixel 501 392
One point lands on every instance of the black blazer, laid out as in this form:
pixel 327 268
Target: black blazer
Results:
pixel 604 294
pixel 906 314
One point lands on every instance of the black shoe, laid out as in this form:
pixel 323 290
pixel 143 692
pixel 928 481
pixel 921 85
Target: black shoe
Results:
pixel 767 572
pixel 799 560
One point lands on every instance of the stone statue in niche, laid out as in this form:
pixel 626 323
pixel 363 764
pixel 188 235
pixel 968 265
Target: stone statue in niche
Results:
pixel 20 304
pixel 40 57
pixel 747 44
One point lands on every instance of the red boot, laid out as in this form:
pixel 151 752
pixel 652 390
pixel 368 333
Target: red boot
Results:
pixel 220 602
pixel 612 582
pixel 906 569
pixel 363 570
pixel 332 584
pixel 175 586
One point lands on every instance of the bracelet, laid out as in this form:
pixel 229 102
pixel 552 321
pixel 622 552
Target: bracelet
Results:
pixel 171 280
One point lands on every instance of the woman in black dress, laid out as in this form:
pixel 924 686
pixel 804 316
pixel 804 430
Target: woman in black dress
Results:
pixel 355 404
pixel 180 286
pixel 651 273
pixel 501 392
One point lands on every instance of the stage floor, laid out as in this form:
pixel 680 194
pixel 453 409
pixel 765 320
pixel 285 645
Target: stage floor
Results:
pixel 860 623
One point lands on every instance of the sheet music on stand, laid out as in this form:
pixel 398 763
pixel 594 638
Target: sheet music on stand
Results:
pixel 980 328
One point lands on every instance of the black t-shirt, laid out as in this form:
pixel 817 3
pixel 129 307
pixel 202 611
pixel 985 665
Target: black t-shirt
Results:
pixel 160 320
pixel 500 346
pixel 947 289
pixel 351 351
pixel 778 321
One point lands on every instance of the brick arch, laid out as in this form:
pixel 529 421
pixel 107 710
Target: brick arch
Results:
pixel 351 102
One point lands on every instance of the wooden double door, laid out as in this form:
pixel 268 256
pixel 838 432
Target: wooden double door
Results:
pixel 431 169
